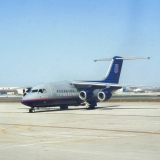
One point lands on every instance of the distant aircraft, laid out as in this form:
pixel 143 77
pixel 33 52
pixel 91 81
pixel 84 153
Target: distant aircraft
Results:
pixel 125 89
pixel 146 89
pixel 77 93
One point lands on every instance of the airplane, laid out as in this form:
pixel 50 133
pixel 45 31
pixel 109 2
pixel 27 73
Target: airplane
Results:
pixel 125 89
pixel 146 89
pixel 76 93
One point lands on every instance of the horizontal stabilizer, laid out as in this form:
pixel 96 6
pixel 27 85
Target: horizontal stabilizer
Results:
pixel 121 58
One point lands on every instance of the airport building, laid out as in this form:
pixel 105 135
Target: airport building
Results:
pixel 10 91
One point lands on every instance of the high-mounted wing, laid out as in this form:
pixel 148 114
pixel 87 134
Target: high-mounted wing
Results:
pixel 97 85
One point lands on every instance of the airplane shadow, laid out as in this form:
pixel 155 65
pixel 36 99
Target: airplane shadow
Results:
pixel 113 107
pixel 83 109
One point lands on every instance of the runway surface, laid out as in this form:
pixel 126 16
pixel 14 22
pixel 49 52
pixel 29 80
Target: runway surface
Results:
pixel 121 131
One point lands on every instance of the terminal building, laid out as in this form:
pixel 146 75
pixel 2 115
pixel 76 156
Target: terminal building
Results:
pixel 10 91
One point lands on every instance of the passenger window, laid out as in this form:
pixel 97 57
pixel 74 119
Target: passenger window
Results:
pixel 44 91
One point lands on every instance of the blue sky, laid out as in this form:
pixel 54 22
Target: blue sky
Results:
pixel 56 40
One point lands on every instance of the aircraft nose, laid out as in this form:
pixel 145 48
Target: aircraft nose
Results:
pixel 25 102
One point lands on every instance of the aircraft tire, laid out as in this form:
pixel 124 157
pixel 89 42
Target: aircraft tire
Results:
pixel 64 107
pixel 91 107
pixel 32 110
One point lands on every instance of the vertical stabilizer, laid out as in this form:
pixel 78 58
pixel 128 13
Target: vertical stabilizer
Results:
pixel 114 71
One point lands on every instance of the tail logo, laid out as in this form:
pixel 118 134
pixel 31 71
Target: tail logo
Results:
pixel 116 68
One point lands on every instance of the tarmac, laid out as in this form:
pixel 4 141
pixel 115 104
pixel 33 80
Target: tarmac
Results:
pixel 121 131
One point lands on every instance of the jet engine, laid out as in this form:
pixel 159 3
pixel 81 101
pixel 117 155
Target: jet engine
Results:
pixel 104 95
pixel 83 95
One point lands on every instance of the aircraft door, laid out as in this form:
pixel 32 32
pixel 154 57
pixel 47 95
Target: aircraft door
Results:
pixel 44 93
pixel 52 90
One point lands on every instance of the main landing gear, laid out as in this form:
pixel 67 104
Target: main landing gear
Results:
pixel 63 107
pixel 90 107
pixel 32 110
pixel 90 104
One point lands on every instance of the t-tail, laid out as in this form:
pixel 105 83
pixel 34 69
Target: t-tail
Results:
pixel 114 71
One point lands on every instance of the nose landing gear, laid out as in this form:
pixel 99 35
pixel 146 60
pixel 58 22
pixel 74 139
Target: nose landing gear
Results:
pixel 32 110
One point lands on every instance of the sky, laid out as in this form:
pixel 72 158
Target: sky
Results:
pixel 57 40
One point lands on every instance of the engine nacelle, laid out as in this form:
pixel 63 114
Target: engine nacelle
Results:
pixel 103 95
pixel 83 95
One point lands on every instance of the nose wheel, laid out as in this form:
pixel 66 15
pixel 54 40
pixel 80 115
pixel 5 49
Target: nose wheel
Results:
pixel 32 110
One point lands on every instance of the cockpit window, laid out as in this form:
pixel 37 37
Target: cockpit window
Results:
pixel 28 90
pixel 35 90
pixel 40 90
pixel 44 91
